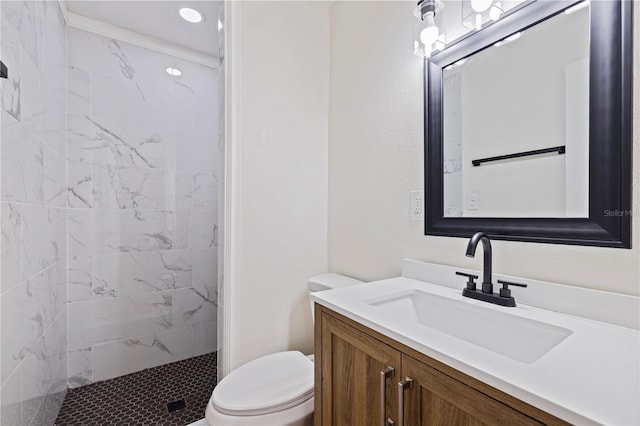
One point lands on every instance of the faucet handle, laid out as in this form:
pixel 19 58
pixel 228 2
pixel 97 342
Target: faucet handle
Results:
pixel 504 291
pixel 471 284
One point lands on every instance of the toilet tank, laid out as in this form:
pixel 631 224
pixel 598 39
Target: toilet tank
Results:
pixel 327 282
pixel 330 281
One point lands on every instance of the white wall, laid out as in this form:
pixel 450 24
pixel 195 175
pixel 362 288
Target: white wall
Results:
pixel 278 150
pixel 376 159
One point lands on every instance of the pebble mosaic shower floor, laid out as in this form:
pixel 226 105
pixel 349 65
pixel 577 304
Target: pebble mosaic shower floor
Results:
pixel 141 398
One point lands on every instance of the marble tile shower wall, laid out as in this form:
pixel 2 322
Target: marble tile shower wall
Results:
pixel 142 160
pixel 33 353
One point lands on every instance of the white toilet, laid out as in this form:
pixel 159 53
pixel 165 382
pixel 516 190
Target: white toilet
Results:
pixel 274 390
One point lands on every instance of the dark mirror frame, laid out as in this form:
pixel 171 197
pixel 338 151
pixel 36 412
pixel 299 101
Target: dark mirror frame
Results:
pixel 610 133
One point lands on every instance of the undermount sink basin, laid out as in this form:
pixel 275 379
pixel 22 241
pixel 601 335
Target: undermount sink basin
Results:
pixel 518 338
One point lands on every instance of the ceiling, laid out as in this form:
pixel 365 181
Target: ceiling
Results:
pixel 157 19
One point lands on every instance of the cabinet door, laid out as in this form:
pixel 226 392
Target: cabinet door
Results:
pixel 437 399
pixel 351 368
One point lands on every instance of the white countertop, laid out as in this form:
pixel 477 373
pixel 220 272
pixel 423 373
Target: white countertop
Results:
pixel 592 377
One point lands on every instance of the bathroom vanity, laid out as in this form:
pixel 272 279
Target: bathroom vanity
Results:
pixel 411 350
pixel 361 370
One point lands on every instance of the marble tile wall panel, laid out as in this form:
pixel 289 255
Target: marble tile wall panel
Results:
pixel 205 192
pixel 79 185
pixel 10 44
pixel 40 248
pixel 56 393
pixel 11 228
pixel 81 238
pixel 201 155
pixel 184 191
pixel 35 380
pixel 205 267
pixel 33 212
pixel 116 358
pixel 120 274
pixel 22 163
pixel 108 231
pixel 202 229
pixel 206 107
pixel 54 294
pixel 79 278
pixel 142 208
pixel 54 177
pixel 109 142
pixel 31 97
pixel 111 57
pixel 132 188
pixel 78 91
pixel 194 305
pixel 80 367
pixel 115 318
pixel 22 323
pixel 129 102
pixel 11 399
pixel 205 338
pixel 181 236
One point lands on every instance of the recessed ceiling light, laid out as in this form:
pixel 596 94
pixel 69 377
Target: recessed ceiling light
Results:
pixel 174 72
pixel 190 15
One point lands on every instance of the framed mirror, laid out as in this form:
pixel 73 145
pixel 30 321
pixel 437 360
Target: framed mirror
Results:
pixel 528 127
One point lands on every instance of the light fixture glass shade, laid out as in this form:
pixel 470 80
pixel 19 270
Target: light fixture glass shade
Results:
pixel 496 11
pixel 480 5
pixel 430 33
pixel 474 20
pixel 425 34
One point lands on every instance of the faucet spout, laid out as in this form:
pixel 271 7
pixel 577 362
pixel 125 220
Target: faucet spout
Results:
pixel 487 285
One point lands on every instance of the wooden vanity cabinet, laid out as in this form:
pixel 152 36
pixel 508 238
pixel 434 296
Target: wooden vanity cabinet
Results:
pixel 350 365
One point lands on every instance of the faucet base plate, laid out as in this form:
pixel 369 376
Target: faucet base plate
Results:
pixel 494 298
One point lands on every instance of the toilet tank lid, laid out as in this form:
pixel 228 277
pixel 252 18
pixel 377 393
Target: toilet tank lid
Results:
pixel 329 281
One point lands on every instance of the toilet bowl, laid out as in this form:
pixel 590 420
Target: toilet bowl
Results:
pixel 273 390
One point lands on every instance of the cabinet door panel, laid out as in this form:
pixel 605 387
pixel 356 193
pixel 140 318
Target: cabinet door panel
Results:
pixel 437 399
pixel 351 366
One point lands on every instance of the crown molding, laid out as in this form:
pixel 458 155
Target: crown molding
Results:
pixel 112 31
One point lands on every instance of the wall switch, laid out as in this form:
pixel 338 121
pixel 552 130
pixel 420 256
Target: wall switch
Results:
pixel 472 202
pixel 417 205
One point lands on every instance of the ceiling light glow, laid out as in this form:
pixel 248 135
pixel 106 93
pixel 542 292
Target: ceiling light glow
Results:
pixel 174 72
pixel 190 15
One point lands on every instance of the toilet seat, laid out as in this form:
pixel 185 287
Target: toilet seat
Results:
pixel 265 385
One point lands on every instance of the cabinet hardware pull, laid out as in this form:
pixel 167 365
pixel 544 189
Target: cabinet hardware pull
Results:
pixel 404 384
pixel 384 375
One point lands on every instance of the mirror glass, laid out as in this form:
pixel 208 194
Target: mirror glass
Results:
pixel 516 124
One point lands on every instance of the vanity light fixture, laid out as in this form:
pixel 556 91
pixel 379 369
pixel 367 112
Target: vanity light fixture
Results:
pixel 481 5
pixel 496 11
pixel 190 15
pixel 478 22
pixel 426 34
pixel 175 72
pixel 476 13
